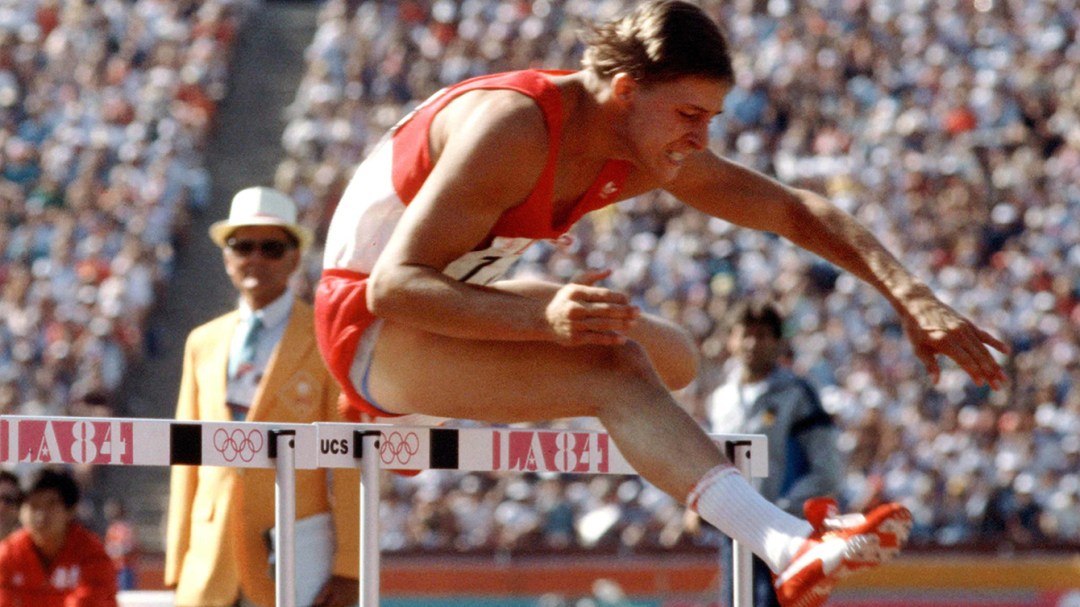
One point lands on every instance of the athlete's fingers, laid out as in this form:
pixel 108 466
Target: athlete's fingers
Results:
pixel 590 277
pixel 590 294
pixel 991 368
pixel 967 348
pixel 603 325
pixel 963 357
pixel 929 360
pixel 987 338
pixel 585 314
pixel 603 310
pixel 967 345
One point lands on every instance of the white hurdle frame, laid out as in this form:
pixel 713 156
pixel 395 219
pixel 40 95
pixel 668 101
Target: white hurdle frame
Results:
pixel 150 442
pixel 494 450
pixel 742 566
pixel 369 447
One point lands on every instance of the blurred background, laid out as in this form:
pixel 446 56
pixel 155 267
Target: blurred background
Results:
pixel 950 127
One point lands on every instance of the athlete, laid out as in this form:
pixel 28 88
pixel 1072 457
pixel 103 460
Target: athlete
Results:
pixel 412 317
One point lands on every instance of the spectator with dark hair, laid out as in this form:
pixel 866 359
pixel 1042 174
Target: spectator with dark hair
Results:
pixel 54 561
pixel 10 499
pixel 763 396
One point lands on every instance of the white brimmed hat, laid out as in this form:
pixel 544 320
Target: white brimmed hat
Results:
pixel 260 206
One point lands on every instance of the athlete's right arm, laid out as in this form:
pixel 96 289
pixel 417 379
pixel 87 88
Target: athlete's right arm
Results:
pixel 490 148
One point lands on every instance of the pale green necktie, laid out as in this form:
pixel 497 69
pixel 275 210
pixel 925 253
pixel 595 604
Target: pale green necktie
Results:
pixel 246 355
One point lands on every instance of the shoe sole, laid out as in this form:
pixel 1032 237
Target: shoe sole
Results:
pixel 886 531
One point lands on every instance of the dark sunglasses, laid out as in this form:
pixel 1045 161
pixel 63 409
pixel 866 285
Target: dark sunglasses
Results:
pixel 270 249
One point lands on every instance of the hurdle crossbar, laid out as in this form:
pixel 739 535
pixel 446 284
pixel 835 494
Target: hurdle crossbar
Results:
pixel 370 447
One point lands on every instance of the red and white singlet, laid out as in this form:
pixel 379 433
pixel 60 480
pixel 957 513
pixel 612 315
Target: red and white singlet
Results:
pixel 389 179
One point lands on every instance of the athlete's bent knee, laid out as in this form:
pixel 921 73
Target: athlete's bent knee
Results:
pixel 671 350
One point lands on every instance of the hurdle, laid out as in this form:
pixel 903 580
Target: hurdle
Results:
pixel 369 447
pixel 157 442
pixel 374 447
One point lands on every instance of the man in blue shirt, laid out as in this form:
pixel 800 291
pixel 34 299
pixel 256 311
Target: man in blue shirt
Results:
pixel 762 396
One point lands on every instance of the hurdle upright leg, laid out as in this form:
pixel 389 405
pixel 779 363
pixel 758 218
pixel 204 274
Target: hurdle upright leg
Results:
pixel 742 573
pixel 369 518
pixel 284 453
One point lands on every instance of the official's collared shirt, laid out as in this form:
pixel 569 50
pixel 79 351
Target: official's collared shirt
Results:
pixel 803 458
pixel 729 407
pixel 240 392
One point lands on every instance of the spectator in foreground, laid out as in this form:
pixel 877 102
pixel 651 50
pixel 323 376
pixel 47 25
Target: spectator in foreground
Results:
pixel 54 561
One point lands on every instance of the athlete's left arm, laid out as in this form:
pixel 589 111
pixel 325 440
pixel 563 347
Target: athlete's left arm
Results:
pixel 735 193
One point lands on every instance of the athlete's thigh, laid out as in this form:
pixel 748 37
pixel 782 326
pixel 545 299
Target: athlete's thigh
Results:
pixel 671 349
pixel 499 381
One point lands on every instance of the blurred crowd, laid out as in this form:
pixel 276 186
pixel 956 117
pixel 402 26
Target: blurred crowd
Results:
pixel 105 111
pixel 950 127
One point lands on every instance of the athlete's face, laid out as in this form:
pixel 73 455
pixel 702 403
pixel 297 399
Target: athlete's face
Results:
pixel 668 121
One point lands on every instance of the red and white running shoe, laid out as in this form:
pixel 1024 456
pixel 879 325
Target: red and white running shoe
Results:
pixel 838 546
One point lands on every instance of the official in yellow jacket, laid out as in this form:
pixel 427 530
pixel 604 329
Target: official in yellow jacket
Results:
pixel 257 363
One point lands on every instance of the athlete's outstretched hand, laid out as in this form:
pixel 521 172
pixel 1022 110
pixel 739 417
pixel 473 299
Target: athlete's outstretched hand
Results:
pixel 582 313
pixel 935 328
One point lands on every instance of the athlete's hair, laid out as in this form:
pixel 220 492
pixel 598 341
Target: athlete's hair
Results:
pixel 660 41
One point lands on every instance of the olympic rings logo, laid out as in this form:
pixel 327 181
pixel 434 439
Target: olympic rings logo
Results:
pixel 397 448
pixel 238 444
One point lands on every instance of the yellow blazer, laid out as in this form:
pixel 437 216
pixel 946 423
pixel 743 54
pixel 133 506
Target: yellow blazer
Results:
pixel 218 516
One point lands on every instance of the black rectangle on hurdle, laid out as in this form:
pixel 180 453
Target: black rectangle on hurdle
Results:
pixel 444 449
pixel 185 444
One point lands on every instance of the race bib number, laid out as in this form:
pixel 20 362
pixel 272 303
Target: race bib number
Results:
pixel 488 265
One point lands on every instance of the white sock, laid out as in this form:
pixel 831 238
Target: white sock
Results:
pixel 724 498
